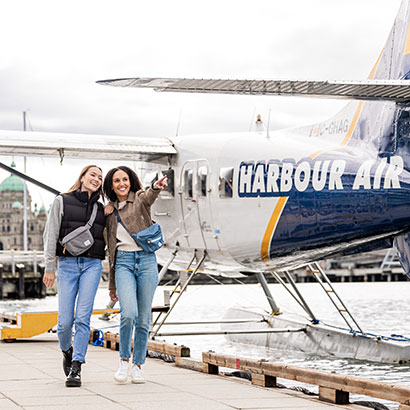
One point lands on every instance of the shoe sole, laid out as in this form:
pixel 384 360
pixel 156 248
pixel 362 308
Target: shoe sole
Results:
pixel 120 381
pixel 138 381
pixel 72 384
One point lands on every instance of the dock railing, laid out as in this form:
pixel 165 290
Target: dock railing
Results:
pixel 12 258
pixel 333 388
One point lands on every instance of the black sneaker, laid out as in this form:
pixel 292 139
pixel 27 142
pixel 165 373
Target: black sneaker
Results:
pixel 74 377
pixel 67 357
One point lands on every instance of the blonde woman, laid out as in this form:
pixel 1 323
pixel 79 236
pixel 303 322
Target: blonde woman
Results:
pixel 78 276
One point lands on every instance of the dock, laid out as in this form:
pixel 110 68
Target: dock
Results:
pixel 21 273
pixel 31 377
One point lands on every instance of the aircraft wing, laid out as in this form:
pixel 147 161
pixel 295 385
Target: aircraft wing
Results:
pixel 67 145
pixel 377 90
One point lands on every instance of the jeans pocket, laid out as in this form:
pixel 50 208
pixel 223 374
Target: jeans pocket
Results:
pixel 121 254
pixel 62 260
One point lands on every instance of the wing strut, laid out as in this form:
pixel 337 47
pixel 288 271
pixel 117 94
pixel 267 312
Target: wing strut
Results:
pixel 29 179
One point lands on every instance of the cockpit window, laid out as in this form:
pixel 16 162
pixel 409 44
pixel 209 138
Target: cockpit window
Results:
pixel 226 183
pixel 202 178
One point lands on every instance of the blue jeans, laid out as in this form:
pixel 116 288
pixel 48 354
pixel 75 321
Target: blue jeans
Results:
pixel 78 278
pixel 136 278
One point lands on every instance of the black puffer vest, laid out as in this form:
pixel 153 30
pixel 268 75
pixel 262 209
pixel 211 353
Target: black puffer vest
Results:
pixel 76 212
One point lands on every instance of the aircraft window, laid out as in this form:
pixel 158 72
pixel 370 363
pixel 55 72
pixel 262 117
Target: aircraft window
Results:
pixel 202 177
pixel 225 183
pixel 170 181
pixel 149 178
pixel 188 178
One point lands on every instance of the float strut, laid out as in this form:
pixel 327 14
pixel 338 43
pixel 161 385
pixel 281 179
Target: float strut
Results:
pixel 164 269
pixel 264 284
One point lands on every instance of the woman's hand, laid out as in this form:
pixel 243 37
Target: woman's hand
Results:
pixel 48 279
pixel 109 208
pixel 113 295
pixel 161 183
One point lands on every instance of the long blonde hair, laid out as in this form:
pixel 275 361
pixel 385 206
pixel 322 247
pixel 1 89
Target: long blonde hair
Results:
pixel 77 183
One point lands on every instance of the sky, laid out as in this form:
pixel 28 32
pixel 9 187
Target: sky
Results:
pixel 53 52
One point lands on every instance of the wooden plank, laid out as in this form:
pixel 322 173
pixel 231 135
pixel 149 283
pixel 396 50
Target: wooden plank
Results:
pixel 263 380
pixel 115 342
pixel 107 340
pixel 93 335
pixel 343 383
pixel 173 350
pixel 211 369
pixel 333 396
pixel 112 341
pixel 191 364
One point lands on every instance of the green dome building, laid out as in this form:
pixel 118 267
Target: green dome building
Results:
pixel 12 217
pixel 12 183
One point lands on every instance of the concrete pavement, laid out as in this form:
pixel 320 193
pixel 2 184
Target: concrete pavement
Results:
pixel 31 378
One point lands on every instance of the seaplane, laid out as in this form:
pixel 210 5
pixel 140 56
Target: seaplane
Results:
pixel 262 202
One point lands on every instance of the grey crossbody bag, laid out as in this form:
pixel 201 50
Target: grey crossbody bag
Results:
pixel 80 240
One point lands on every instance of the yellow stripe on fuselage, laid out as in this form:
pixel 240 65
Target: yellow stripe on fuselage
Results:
pixel 373 72
pixel 407 44
pixel 271 227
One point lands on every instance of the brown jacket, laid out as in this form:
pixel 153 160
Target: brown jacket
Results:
pixel 136 216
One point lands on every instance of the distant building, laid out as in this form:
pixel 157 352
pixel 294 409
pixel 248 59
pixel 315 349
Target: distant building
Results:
pixel 12 217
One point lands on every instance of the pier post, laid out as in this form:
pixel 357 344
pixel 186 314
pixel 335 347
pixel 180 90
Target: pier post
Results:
pixel 1 281
pixel 333 395
pixel 263 380
pixel 20 270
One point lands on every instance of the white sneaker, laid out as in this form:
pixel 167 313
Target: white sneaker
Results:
pixel 136 375
pixel 121 375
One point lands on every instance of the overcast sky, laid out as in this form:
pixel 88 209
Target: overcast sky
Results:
pixel 52 52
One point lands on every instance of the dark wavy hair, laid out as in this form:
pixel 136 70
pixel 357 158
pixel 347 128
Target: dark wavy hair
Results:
pixel 135 183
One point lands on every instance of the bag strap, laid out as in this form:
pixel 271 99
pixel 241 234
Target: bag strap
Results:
pixel 120 221
pixel 93 215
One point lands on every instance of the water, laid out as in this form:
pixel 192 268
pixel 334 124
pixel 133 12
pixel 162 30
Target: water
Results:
pixel 381 308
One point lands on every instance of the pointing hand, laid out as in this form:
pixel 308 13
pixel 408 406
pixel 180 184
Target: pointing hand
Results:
pixel 161 183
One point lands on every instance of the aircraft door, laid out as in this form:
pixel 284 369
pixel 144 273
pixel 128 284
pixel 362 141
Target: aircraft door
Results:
pixel 204 205
pixel 190 223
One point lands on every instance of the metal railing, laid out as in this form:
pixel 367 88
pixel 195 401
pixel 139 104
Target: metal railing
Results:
pixel 11 258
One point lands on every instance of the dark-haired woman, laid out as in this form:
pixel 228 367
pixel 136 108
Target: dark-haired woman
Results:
pixel 78 276
pixel 133 275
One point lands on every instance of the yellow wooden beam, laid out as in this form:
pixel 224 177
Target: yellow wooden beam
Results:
pixel 36 323
pixel 29 325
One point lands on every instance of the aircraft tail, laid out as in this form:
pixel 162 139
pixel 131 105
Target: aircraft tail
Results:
pixel 394 60
pixel 386 126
